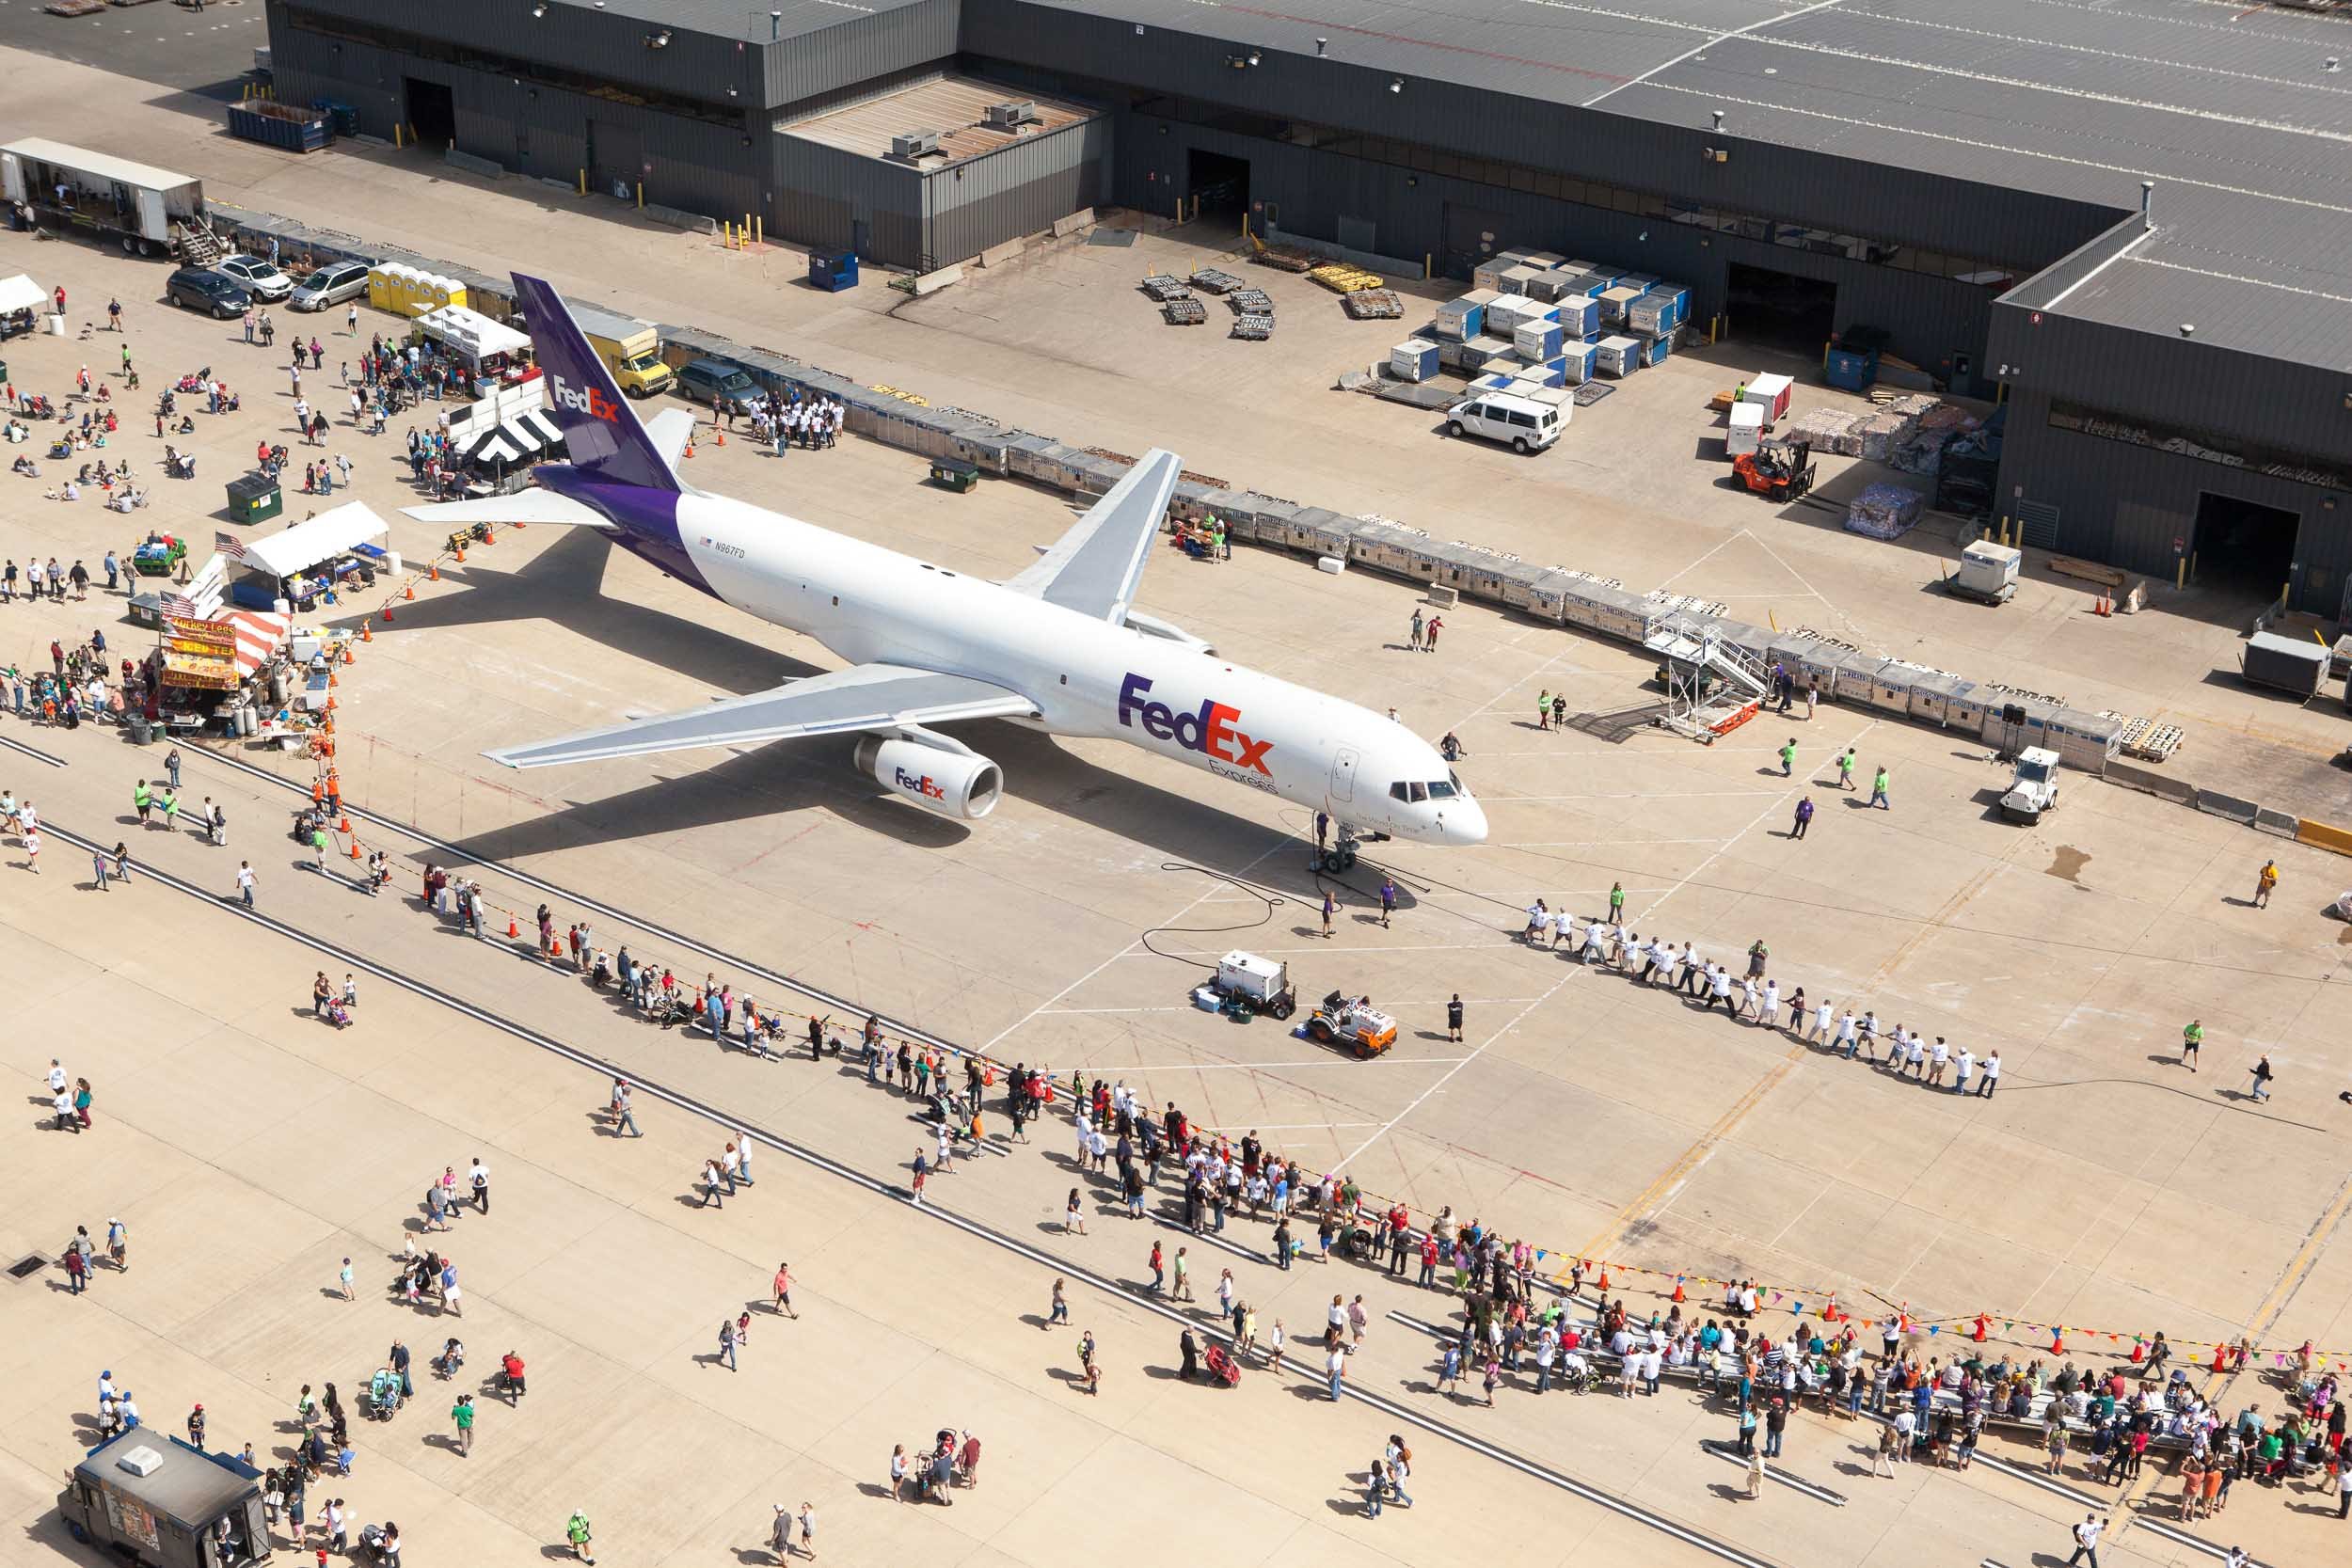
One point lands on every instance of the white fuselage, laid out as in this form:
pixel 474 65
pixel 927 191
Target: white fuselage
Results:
pixel 1086 677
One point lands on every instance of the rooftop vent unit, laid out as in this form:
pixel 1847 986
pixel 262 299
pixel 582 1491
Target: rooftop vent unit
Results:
pixel 1010 116
pixel 913 145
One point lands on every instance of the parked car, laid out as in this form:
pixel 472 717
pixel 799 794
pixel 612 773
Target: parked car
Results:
pixel 702 380
pixel 254 277
pixel 198 289
pixel 330 285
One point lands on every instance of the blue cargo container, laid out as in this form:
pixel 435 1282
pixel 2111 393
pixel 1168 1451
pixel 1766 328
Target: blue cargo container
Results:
pixel 1414 359
pixel 1537 341
pixel 1551 372
pixel 1580 316
pixel 280 125
pixel 1662 309
pixel 1575 364
pixel 1656 349
pixel 833 273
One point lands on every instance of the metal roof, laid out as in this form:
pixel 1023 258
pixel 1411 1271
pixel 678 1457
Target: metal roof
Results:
pixel 954 108
pixel 734 18
pixel 97 164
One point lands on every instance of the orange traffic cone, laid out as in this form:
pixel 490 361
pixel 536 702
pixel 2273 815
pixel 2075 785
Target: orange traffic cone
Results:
pixel 690 451
pixel 488 537
pixel 723 437
pixel 1679 1295
pixel 366 635
pixel 344 825
pixel 330 680
pixel 461 558
pixel 432 574
pixel 387 609
pixel 1602 1284
pixel 354 849
pixel 331 702
pixel 349 658
pixel 512 929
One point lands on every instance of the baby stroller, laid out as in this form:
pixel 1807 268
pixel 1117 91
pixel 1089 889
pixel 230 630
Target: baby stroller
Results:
pixel 1223 1370
pixel 383 1395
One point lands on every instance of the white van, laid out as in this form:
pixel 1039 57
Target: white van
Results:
pixel 1526 424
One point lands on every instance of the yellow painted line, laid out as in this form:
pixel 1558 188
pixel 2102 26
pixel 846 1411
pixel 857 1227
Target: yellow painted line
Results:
pixel 1692 1157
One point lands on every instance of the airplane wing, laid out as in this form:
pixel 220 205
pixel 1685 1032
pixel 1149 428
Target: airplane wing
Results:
pixel 1094 568
pixel 669 431
pixel 862 697
pixel 524 506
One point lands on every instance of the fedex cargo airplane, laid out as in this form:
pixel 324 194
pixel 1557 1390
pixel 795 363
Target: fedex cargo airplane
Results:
pixel 1059 647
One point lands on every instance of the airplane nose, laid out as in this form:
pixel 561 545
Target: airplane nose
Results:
pixel 1466 823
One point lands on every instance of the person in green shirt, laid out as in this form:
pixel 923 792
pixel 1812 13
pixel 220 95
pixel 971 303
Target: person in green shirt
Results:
pixel 1543 708
pixel 1845 769
pixel 318 849
pixel 1788 757
pixel 1616 901
pixel 2192 1039
pixel 1878 791
pixel 462 1413
pixel 575 1531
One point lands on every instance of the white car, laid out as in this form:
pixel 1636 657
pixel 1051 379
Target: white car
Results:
pixel 254 277
pixel 1525 424
pixel 331 285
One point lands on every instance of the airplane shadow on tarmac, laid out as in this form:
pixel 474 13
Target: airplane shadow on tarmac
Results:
pixel 565 583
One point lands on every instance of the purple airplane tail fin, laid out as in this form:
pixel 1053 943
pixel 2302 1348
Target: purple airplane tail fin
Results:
pixel 600 430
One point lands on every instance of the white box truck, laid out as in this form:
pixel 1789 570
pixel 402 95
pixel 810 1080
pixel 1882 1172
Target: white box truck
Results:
pixel 148 211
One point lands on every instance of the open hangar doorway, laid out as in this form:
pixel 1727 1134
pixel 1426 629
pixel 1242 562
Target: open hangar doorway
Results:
pixel 1780 309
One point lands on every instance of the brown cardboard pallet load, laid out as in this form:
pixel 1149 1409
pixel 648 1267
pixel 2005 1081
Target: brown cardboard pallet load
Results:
pixel 2087 571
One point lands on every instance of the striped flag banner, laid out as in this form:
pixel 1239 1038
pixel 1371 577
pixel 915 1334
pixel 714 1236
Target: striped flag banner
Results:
pixel 179 604
pixel 229 546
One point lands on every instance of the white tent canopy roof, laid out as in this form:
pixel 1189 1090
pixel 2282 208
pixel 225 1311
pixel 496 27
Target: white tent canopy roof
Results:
pixel 21 294
pixel 471 332
pixel 321 539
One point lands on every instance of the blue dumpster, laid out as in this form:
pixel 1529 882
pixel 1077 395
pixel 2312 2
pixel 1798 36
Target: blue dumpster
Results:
pixel 833 273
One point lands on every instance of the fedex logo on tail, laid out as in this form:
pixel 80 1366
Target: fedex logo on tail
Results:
pixel 922 785
pixel 1209 732
pixel 588 400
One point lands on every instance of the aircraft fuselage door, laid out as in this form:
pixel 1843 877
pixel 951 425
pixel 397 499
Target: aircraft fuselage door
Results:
pixel 1344 775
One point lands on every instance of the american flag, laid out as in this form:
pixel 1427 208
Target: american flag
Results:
pixel 179 604
pixel 229 546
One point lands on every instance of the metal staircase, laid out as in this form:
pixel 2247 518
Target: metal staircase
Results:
pixel 1711 687
pixel 197 245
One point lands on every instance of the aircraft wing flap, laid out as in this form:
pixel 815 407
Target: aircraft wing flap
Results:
pixel 862 697
pixel 1095 567
pixel 524 506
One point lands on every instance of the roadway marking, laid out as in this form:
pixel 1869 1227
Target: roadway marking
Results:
pixel 605 1070
pixel 1730 1453
pixel 1333 1060
pixel 33 751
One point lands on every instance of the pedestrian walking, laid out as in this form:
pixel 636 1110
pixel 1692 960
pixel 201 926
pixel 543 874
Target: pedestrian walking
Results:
pixel 1755 1475
pixel 1331 907
pixel 2265 883
pixel 344 1276
pixel 726 1342
pixel 1878 791
pixel 1789 758
pixel 1805 817
pixel 2192 1041
pixel 462 1413
pixel 1453 1018
pixel 1060 1311
pixel 783 1283
pixel 1991 1077
pixel 1415 631
pixel 1387 901
pixel 2262 1074
pixel 244 882
pixel 2087 1541
pixel 1845 769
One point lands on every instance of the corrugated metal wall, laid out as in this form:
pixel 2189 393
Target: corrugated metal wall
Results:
pixel 536 131
pixel 823 194
pixel 1016 190
pixel 859 49
pixel 1930 319
pixel 2125 504
pixel 608 46
pixel 1850 195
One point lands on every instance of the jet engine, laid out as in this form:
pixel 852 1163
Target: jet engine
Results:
pixel 952 783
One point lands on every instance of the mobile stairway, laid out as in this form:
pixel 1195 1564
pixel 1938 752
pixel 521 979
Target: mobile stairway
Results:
pixel 1711 687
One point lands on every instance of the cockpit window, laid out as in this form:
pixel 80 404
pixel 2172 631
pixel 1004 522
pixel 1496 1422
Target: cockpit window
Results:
pixel 1420 791
pixel 1441 789
pixel 1456 779
pixel 1397 792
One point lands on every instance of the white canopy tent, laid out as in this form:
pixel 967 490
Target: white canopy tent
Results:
pixel 21 294
pixel 323 538
pixel 472 334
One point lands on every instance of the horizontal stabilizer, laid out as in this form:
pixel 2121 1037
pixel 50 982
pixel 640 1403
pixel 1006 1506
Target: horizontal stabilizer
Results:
pixel 523 506
pixel 844 701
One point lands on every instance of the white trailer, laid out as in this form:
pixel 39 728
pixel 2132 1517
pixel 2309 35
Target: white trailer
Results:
pixel 146 210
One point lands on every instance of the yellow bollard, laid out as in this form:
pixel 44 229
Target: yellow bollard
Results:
pixel 396 133
pixel 727 230
pixel 2180 574
pixel 640 196
pixel 746 230
pixel 759 231
pixel 583 182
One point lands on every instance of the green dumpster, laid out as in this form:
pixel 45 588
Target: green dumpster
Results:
pixel 254 499
pixel 954 473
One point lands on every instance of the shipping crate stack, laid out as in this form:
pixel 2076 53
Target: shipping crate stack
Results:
pixel 1373 305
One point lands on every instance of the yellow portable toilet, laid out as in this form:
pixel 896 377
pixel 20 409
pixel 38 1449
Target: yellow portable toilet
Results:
pixel 454 292
pixel 384 292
